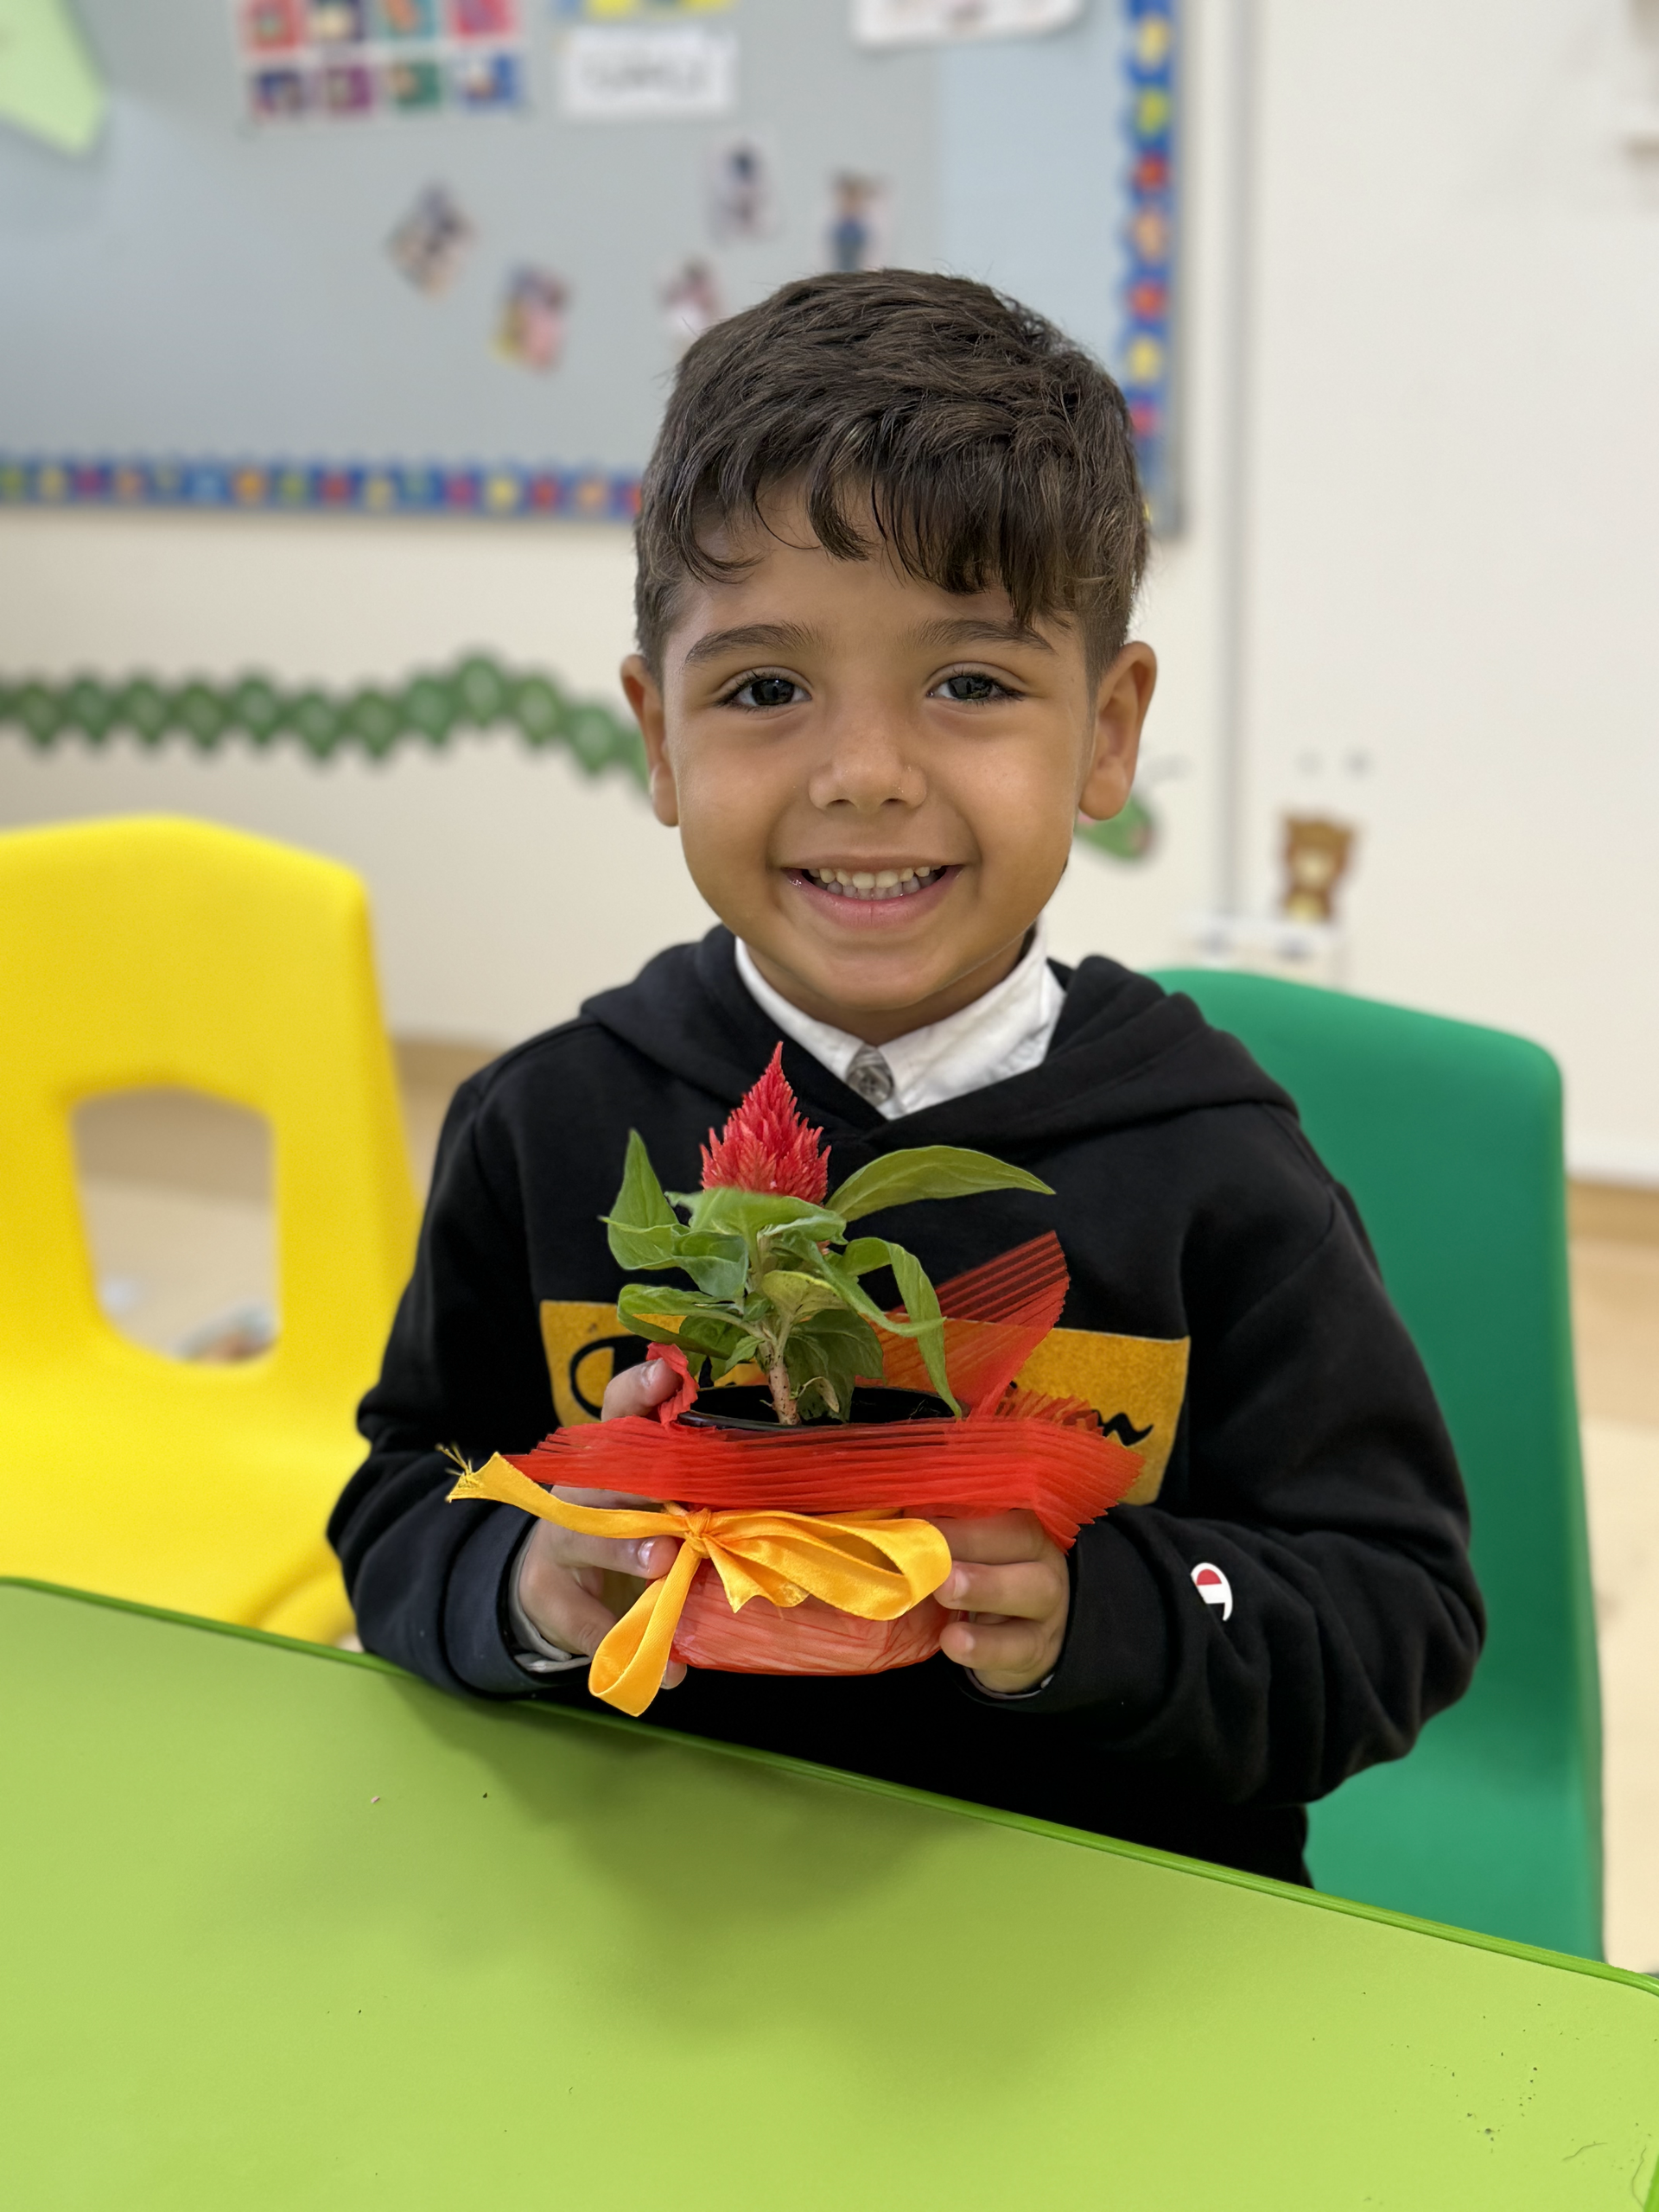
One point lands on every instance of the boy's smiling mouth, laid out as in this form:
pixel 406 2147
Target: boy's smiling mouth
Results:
pixel 857 899
pixel 900 882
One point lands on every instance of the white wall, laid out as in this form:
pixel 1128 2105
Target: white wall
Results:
pixel 1453 540
pixel 1453 571
pixel 507 884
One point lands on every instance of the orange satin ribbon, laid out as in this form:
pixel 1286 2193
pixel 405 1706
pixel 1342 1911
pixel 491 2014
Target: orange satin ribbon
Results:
pixel 874 1564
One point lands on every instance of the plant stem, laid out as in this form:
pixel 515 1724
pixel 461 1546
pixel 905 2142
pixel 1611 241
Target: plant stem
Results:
pixel 783 1397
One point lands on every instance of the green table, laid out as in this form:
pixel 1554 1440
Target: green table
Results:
pixel 286 1928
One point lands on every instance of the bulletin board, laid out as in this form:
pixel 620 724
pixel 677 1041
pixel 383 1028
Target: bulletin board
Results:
pixel 432 255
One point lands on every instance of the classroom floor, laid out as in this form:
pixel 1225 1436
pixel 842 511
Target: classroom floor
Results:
pixel 176 1194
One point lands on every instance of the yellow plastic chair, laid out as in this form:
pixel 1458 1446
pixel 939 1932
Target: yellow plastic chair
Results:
pixel 149 951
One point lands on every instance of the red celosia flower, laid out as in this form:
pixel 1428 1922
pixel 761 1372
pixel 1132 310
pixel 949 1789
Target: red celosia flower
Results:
pixel 767 1145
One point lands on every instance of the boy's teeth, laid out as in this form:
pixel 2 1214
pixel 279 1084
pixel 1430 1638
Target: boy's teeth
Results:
pixel 872 883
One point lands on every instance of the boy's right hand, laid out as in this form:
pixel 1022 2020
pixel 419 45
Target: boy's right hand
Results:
pixel 574 1589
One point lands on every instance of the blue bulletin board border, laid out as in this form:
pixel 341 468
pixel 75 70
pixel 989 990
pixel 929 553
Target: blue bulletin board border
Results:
pixel 498 492
pixel 1147 344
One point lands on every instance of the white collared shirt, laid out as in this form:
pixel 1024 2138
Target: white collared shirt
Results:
pixel 1003 1034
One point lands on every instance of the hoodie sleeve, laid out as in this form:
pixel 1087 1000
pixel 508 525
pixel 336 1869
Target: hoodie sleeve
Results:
pixel 1321 1485
pixel 464 1366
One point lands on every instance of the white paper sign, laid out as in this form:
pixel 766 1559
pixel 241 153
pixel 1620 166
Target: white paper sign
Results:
pixel 939 23
pixel 639 71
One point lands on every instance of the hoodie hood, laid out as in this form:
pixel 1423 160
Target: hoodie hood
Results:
pixel 1125 1052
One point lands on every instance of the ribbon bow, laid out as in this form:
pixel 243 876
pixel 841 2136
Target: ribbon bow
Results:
pixel 874 1564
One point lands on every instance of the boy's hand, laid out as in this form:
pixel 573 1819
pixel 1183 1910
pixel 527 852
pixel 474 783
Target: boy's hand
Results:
pixel 574 1589
pixel 1011 1585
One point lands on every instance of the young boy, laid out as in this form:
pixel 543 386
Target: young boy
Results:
pixel 889 544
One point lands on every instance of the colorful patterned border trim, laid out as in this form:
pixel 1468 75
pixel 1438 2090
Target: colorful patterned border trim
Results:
pixel 477 694
pixel 1146 349
pixel 322 487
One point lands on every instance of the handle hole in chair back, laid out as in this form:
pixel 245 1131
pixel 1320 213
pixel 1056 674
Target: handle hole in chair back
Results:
pixel 176 1194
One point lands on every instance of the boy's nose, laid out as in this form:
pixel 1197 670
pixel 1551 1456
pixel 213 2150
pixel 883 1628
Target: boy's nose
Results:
pixel 867 765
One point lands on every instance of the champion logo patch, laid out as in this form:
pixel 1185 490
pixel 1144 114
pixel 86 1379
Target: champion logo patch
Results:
pixel 1213 1587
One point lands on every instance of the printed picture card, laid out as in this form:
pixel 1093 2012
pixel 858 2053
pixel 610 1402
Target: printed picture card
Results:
pixel 432 242
pixel 742 191
pixel 348 60
pixel 943 22
pixel 691 301
pixel 646 72
pixel 481 82
pixel 860 223
pixel 531 328
pixel 406 19
pixel 637 11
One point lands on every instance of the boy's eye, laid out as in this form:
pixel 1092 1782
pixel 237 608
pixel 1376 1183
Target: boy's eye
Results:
pixel 968 687
pixel 766 691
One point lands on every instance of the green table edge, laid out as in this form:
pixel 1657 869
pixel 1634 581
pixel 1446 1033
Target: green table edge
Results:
pixel 808 1770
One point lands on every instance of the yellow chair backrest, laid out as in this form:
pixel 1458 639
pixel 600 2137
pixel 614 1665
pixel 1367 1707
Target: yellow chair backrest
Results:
pixel 149 951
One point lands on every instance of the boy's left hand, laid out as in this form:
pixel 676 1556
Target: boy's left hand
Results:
pixel 1012 1585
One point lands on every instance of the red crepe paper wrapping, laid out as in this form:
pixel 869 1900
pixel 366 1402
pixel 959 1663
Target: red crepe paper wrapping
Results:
pixel 684 1393
pixel 1062 1471
pixel 995 1316
pixel 811 1638
pixel 1016 1449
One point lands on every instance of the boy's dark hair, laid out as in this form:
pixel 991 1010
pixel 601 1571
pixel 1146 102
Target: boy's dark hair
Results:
pixel 991 448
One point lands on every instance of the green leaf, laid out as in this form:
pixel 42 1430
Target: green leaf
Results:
pixel 839 1321
pixel 928 1171
pixel 927 1323
pixel 777 1248
pixel 834 1267
pixel 718 1265
pixel 795 1295
pixel 864 1255
pixel 639 1248
pixel 640 1202
pixel 827 1353
pixel 844 1268
pixel 712 1333
pixel 924 1321
pixel 819 1367
pixel 848 1341
pixel 813 1387
pixel 752 1213
pixel 639 1301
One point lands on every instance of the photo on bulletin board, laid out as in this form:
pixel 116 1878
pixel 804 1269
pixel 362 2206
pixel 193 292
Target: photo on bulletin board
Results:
pixel 451 250
pixel 742 190
pixel 360 61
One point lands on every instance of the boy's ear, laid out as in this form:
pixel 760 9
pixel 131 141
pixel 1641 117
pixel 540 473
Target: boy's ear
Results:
pixel 1121 698
pixel 644 696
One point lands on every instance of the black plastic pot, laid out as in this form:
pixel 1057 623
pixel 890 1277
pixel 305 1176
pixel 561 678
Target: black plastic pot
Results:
pixel 747 1408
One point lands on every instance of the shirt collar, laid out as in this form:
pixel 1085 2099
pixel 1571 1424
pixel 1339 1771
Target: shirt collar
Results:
pixel 1001 1034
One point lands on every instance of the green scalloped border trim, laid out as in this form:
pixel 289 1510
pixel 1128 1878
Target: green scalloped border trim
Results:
pixel 478 693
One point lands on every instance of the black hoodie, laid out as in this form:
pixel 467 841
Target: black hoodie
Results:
pixel 1225 1314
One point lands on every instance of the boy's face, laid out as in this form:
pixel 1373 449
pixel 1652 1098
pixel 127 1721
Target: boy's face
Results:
pixel 837 724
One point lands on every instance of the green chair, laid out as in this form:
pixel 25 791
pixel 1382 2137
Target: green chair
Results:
pixel 1450 1139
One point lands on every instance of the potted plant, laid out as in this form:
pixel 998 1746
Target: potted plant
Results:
pixel 795 1481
